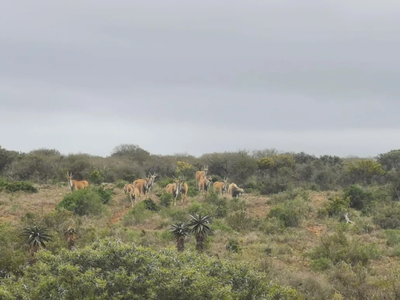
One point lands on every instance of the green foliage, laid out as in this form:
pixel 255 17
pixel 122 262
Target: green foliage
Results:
pixel 364 170
pixel 290 212
pixel 164 182
pixel 15 186
pixel 179 230
pixel 11 254
pixel 360 198
pixel 233 246
pixel 337 206
pixel 238 218
pixel 36 237
pixel 151 205
pixel 393 237
pixel 199 226
pixel 338 248
pixel 119 184
pixel 110 270
pixel 320 264
pixel 96 178
pixel 138 214
pixel 388 217
pixel 82 202
pixel 105 194
pixel 166 199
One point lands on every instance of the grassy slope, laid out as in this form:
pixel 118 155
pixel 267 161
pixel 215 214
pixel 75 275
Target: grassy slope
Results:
pixel 284 262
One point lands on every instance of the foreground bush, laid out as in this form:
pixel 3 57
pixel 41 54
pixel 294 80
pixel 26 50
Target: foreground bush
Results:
pixel 110 270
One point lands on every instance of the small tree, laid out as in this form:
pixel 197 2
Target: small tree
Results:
pixel 199 227
pixel 36 237
pixel 179 231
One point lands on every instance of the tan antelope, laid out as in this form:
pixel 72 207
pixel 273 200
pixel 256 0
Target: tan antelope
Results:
pixel 184 190
pixel 142 185
pixel 150 181
pixel 220 187
pixel 204 183
pixel 76 184
pixel 200 174
pixel 234 190
pixel 134 193
pixel 174 189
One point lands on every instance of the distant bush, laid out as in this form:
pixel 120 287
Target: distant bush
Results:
pixel 15 186
pixel 96 178
pixel 238 218
pixel 338 248
pixel 233 246
pixel 82 202
pixel 138 214
pixel 337 206
pixel 105 194
pixel 320 264
pixel 388 217
pixel 164 182
pixel 393 237
pixel 119 184
pixel 166 199
pixel 290 213
pixel 151 205
pixel 360 198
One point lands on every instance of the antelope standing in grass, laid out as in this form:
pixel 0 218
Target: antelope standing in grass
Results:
pixel 220 187
pixel 76 184
pixel 234 190
pixel 204 183
pixel 134 193
pixel 174 189
pixel 142 185
pixel 200 174
pixel 150 182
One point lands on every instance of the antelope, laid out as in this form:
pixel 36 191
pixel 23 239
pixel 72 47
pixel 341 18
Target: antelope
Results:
pixel 184 190
pixel 134 193
pixel 174 189
pixel 150 182
pixel 142 185
pixel 234 190
pixel 220 187
pixel 76 184
pixel 200 174
pixel 204 183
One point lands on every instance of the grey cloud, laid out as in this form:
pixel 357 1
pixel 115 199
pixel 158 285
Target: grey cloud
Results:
pixel 257 68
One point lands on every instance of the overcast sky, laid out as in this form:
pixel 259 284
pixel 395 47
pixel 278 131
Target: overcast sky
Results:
pixel 200 76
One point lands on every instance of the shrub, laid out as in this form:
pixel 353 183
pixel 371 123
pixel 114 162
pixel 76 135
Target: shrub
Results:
pixel 151 205
pixel 337 206
pixel 106 268
pixel 16 186
pixel 119 184
pixel 360 199
pixel 290 213
pixel 393 237
pixel 166 199
pixel 233 246
pixel 320 264
pixel 137 214
pixel 338 248
pixel 82 202
pixel 105 194
pixel 96 178
pixel 388 217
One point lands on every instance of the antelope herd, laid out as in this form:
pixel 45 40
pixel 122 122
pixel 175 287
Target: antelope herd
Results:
pixel 143 186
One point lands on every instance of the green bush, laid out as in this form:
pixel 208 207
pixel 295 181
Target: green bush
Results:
pixel 111 270
pixel 138 214
pixel 360 199
pixel 166 199
pixel 233 246
pixel 290 213
pixel 388 217
pixel 393 237
pixel 105 194
pixel 151 205
pixel 338 248
pixel 96 178
pixel 337 206
pixel 119 184
pixel 15 186
pixel 320 264
pixel 82 202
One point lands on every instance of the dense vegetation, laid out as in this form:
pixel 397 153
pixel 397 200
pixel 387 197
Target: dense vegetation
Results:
pixel 307 227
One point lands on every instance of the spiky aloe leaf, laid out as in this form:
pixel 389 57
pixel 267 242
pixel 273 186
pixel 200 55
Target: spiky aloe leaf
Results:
pixel 36 236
